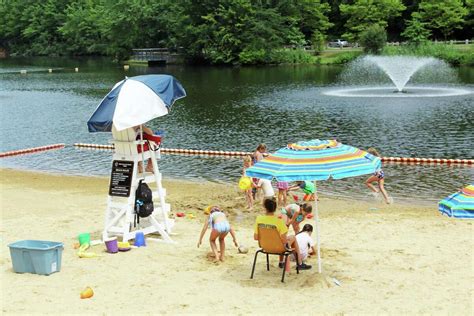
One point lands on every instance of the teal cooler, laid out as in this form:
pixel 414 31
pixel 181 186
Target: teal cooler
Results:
pixel 36 256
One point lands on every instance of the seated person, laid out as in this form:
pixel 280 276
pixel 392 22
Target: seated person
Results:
pixel 147 135
pixel 269 219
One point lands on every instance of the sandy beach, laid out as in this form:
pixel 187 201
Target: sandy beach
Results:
pixel 387 258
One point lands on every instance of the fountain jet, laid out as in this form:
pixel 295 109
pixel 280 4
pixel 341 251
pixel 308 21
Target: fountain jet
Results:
pixel 368 76
pixel 400 68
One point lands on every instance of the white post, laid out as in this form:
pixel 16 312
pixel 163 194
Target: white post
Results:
pixel 318 241
pixel 143 154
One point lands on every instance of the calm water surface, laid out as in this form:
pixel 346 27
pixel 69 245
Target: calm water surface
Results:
pixel 235 109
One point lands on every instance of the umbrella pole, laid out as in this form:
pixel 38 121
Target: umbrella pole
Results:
pixel 143 154
pixel 318 241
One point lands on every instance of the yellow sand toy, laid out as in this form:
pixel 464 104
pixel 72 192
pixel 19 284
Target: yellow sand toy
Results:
pixel 124 246
pixel 82 253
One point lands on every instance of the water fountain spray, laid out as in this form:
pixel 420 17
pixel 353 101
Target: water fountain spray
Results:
pixel 400 68
pixel 370 76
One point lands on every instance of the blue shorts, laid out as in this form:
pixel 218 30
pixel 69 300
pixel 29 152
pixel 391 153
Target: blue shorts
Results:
pixel 379 174
pixel 222 227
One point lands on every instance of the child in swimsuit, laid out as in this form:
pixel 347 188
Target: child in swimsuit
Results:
pixel 257 155
pixel 220 227
pixel 282 187
pixel 294 214
pixel 378 177
pixel 246 183
pixel 308 188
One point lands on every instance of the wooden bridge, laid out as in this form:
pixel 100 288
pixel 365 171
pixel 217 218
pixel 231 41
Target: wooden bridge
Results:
pixel 156 56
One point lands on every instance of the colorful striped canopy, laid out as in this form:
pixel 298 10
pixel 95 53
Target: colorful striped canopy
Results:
pixel 315 160
pixel 459 204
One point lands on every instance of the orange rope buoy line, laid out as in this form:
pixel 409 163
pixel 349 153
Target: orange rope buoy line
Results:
pixel 402 160
pixel 31 150
pixel 441 161
pixel 176 150
pixel 94 146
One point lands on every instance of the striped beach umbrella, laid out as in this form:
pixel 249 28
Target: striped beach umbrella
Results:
pixel 459 204
pixel 315 160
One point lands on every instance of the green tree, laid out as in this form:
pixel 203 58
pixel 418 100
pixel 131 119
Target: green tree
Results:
pixel 247 31
pixel 336 18
pixel 81 29
pixel 416 31
pixel 31 27
pixel 373 39
pixel 443 15
pixel 311 16
pixel 216 31
pixel 318 42
pixel 12 23
pixel 468 30
pixel 236 26
pixel 364 13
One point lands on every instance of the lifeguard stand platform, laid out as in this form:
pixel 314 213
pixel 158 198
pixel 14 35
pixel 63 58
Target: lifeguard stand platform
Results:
pixel 124 180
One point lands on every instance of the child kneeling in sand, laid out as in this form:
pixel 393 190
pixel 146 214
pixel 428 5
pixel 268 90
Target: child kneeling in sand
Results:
pixel 305 242
pixel 294 214
pixel 220 227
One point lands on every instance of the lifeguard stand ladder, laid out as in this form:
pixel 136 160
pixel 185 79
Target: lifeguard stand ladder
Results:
pixel 124 180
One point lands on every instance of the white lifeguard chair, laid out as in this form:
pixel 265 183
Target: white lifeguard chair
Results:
pixel 120 212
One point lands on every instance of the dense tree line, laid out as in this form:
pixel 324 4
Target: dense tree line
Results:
pixel 219 32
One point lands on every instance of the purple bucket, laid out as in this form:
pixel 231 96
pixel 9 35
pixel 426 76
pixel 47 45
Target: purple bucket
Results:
pixel 112 245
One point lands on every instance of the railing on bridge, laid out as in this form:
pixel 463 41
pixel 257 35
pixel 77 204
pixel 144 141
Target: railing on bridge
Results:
pixel 452 42
pixel 155 55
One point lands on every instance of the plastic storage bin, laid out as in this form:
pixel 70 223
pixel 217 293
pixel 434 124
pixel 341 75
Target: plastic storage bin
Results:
pixel 36 256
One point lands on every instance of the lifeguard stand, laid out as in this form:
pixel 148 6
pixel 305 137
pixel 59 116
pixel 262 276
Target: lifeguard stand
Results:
pixel 124 180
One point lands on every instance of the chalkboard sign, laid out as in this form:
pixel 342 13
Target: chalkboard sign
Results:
pixel 121 178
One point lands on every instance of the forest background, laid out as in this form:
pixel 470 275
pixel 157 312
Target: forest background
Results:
pixel 231 31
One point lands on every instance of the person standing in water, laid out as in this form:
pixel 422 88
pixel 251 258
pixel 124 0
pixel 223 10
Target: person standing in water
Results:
pixel 378 176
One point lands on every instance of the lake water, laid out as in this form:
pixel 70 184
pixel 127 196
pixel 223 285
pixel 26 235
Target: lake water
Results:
pixel 235 109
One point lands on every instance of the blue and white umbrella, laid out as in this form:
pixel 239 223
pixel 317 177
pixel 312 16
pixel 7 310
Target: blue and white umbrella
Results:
pixel 135 101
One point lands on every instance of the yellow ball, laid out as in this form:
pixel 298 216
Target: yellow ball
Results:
pixel 245 183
